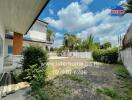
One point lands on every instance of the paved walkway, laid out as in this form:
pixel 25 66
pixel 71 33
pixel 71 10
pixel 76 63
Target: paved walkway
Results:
pixel 19 95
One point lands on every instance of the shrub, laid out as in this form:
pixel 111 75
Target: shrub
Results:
pixel 37 76
pixel 106 56
pixel 34 55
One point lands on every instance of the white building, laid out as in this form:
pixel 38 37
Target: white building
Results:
pixel 37 35
pixel 17 17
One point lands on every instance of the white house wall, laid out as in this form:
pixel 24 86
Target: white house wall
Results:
pixel 126 56
pixel 9 42
pixel 38 31
pixel 2 34
pixel 28 43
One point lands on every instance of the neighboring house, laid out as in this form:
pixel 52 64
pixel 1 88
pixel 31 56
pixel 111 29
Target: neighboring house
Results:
pixel 126 52
pixel 37 35
pixel 17 17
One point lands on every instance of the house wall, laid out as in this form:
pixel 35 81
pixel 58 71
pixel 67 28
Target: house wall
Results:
pixel 28 43
pixel 9 42
pixel 126 56
pixel 38 31
pixel 2 34
pixel 17 58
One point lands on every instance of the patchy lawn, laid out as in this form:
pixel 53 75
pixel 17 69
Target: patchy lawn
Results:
pixel 91 82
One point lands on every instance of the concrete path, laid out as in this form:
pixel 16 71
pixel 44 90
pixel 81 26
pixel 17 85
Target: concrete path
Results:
pixel 19 95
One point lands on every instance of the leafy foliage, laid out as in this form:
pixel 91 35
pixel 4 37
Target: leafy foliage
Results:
pixel 71 41
pixel 37 76
pixel 106 56
pixel 34 55
pixel 89 42
pixel 106 45
pixel 128 5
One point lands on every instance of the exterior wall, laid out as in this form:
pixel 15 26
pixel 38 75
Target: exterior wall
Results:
pixel 9 42
pixel 2 34
pixel 17 43
pixel 17 58
pixel 38 31
pixel 28 43
pixel 87 55
pixel 126 56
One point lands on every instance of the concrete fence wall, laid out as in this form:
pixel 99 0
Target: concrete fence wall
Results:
pixel 52 54
pixel 126 56
pixel 87 55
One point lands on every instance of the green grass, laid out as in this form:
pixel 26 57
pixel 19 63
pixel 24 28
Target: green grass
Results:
pixel 112 93
pixel 74 77
pixel 122 72
pixel 107 91
pixel 122 90
pixel 125 77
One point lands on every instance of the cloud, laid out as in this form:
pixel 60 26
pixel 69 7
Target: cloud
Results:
pixel 122 2
pixel 58 35
pixel 58 40
pixel 72 18
pixel 86 1
pixel 54 23
pixel 51 11
pixel 84 4
pixel 102 25
pixel 58 43
pixel 111 38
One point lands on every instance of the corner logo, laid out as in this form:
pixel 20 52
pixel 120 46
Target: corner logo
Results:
pixel 118 11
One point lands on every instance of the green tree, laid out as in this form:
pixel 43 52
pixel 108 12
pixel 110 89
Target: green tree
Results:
pixel 89 42
pixel 106 45
pixel 128 5
pixel 71 41
pixel 96 46
pixel 50 35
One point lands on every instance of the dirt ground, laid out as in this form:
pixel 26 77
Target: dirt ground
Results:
pixel 79 79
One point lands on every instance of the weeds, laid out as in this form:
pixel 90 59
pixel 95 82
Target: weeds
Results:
pixel 107 91
pixel 125 87
pixel 74 77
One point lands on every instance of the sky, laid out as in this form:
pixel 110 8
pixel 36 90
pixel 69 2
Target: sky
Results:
pixel 85 17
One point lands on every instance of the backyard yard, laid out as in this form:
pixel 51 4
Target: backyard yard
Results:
pixel 80 79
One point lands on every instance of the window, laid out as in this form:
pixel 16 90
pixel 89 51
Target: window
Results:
pixel 10 50
pixel 1 46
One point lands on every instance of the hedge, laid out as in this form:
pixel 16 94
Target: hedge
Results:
pixel 106 55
